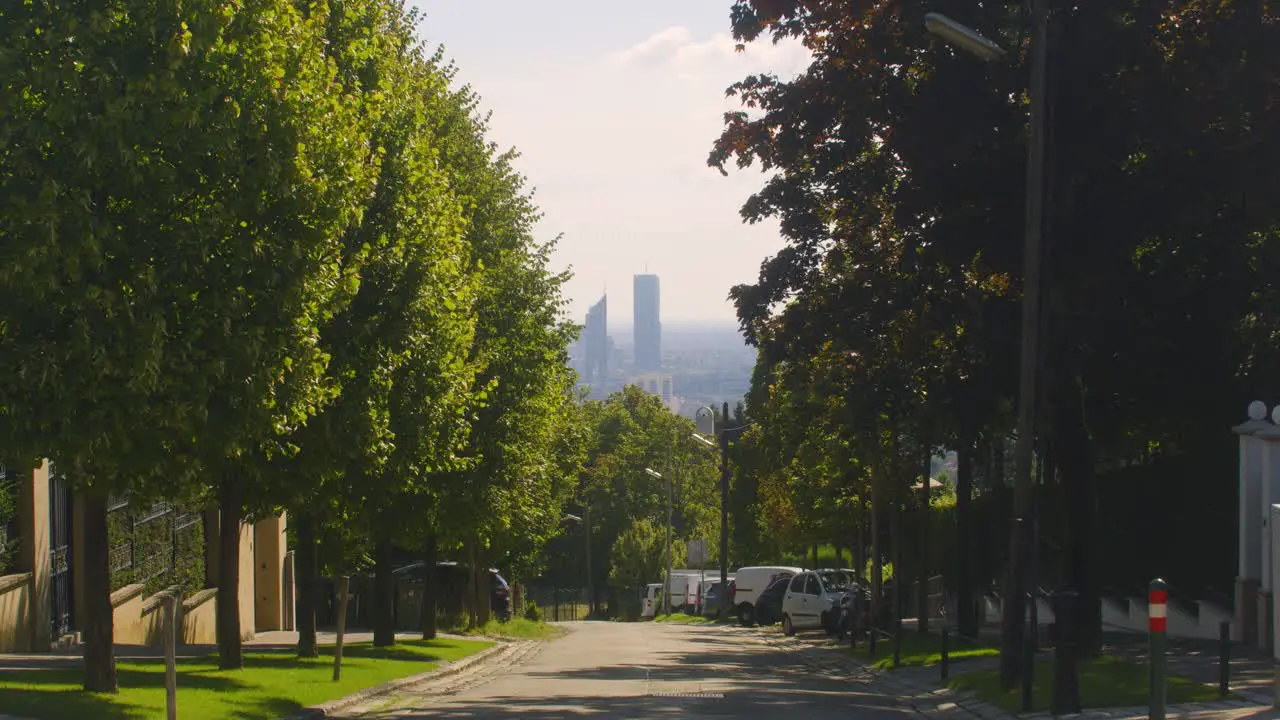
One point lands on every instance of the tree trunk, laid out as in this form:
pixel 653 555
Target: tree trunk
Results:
pixel 901 580
pixel 966 618
pixel 877 566
pixel 922 572
pixel 228 612
pixel 430 591
pixel 307 573
pixel 384 600
pixel 99 626
pixel 482 587
pixel 1075 462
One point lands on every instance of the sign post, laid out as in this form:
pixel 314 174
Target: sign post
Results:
pixel 1158 626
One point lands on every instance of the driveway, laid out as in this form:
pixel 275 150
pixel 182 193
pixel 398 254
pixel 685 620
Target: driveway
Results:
pixel 651 670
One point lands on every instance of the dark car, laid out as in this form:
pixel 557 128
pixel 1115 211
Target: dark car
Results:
pixel 768 608
pixel 452 585
pixel 713 599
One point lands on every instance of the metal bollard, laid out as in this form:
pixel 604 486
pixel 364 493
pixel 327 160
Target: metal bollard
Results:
pixel 1224 659
pixel 945 662
pixel 871 643
pixel 897 648
pixel 1158 624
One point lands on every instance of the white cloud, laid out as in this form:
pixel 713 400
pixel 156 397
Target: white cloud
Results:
pixel 680 50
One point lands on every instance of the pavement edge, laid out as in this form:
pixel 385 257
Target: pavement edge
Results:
pixel 324 710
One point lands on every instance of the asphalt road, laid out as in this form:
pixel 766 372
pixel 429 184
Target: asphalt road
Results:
pixel 648 670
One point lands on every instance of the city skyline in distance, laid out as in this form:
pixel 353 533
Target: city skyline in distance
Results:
pixel 643 86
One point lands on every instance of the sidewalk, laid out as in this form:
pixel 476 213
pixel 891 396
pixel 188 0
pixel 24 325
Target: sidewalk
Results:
pixel 920 686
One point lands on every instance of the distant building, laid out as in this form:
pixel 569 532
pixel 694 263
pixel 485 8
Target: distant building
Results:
pixel 648 323
pixel 595 343
pixel 660 384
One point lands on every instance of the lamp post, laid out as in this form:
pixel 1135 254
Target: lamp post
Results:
pixel 1021 538
pixel 705 418
pixel 585 521
pixel 666 583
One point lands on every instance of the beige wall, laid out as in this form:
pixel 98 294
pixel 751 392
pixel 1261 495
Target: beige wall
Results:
pixel 15 601
pixel 246 582
pixel 126 615
pixel 33 550
pixel 268 580
pixel 200 618
pixel 25 599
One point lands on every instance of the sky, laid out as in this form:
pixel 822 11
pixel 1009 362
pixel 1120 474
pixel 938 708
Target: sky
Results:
pixel 614 107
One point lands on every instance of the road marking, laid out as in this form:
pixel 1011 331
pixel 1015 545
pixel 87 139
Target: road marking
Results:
pixel 692 695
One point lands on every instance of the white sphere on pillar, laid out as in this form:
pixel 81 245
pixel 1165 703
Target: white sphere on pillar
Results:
pixel 1258 410
pixel 1275 415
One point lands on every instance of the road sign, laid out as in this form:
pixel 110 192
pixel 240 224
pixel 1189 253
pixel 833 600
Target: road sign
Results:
pixel 698 552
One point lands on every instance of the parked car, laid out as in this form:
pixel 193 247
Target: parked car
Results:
pixel 452 581
pixel 750 582
pixel 769 605
pixel 812 600
pixel 652 596
pixel 714 595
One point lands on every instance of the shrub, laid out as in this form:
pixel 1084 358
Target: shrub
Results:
pixel 531 611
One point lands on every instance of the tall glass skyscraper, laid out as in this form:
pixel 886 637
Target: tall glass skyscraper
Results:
pixel 648 323
pixel 595 339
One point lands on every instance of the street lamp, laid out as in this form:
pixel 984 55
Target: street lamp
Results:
pixel 963 37
pixel 705 419
pixel 1022 537
pixel 586 534
pixel 666 585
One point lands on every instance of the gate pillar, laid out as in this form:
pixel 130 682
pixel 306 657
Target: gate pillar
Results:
pixel 33 552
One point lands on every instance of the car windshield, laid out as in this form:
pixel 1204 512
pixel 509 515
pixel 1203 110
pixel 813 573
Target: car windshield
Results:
pixel 834 580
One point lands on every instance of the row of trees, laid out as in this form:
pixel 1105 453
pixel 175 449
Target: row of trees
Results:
pixel 624 509
pixel 887 324
pixel 263 253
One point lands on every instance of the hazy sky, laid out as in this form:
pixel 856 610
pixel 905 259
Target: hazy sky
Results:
pixel 614 107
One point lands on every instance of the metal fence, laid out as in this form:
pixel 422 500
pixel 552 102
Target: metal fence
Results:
pixel 558 604
pixel 159 546
pixel 9 532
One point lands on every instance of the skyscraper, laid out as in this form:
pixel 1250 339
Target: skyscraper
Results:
pixel 595 340
pixel 648 323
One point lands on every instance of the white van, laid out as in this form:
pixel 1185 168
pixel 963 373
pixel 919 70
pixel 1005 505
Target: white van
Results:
pixel 649 606
pixel 749 582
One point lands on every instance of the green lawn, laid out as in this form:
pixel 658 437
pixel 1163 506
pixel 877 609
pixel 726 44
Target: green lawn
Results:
pixel 682 619
pixel 921 650
pixel 515 629
pixel 271 685
pixel 1104 682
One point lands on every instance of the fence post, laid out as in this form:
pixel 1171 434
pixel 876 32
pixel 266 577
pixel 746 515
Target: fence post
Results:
pixel 1224 659
pixel 1158 625
pixel 945 662
pixel 170 656
pixel 897 648
pixel 871 642
pixel 344 584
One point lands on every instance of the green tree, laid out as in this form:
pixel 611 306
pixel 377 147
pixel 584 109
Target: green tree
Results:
pixel 897 178
pixel 173 188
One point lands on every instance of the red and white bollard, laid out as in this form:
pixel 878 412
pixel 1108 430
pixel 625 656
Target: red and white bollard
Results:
pixel 1158 625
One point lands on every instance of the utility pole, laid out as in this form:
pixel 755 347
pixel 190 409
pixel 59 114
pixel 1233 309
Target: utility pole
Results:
pixel 591 588
pixel 667 593
pixel 1013 620
pixel 724 507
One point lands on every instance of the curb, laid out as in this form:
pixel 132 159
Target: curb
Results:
pixel 446 670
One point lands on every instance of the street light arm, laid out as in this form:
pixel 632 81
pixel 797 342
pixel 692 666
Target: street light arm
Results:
pixel 963 37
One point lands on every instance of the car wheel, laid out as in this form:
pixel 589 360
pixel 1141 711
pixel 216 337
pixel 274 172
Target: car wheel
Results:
pixel 787 628
pixel 746 618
